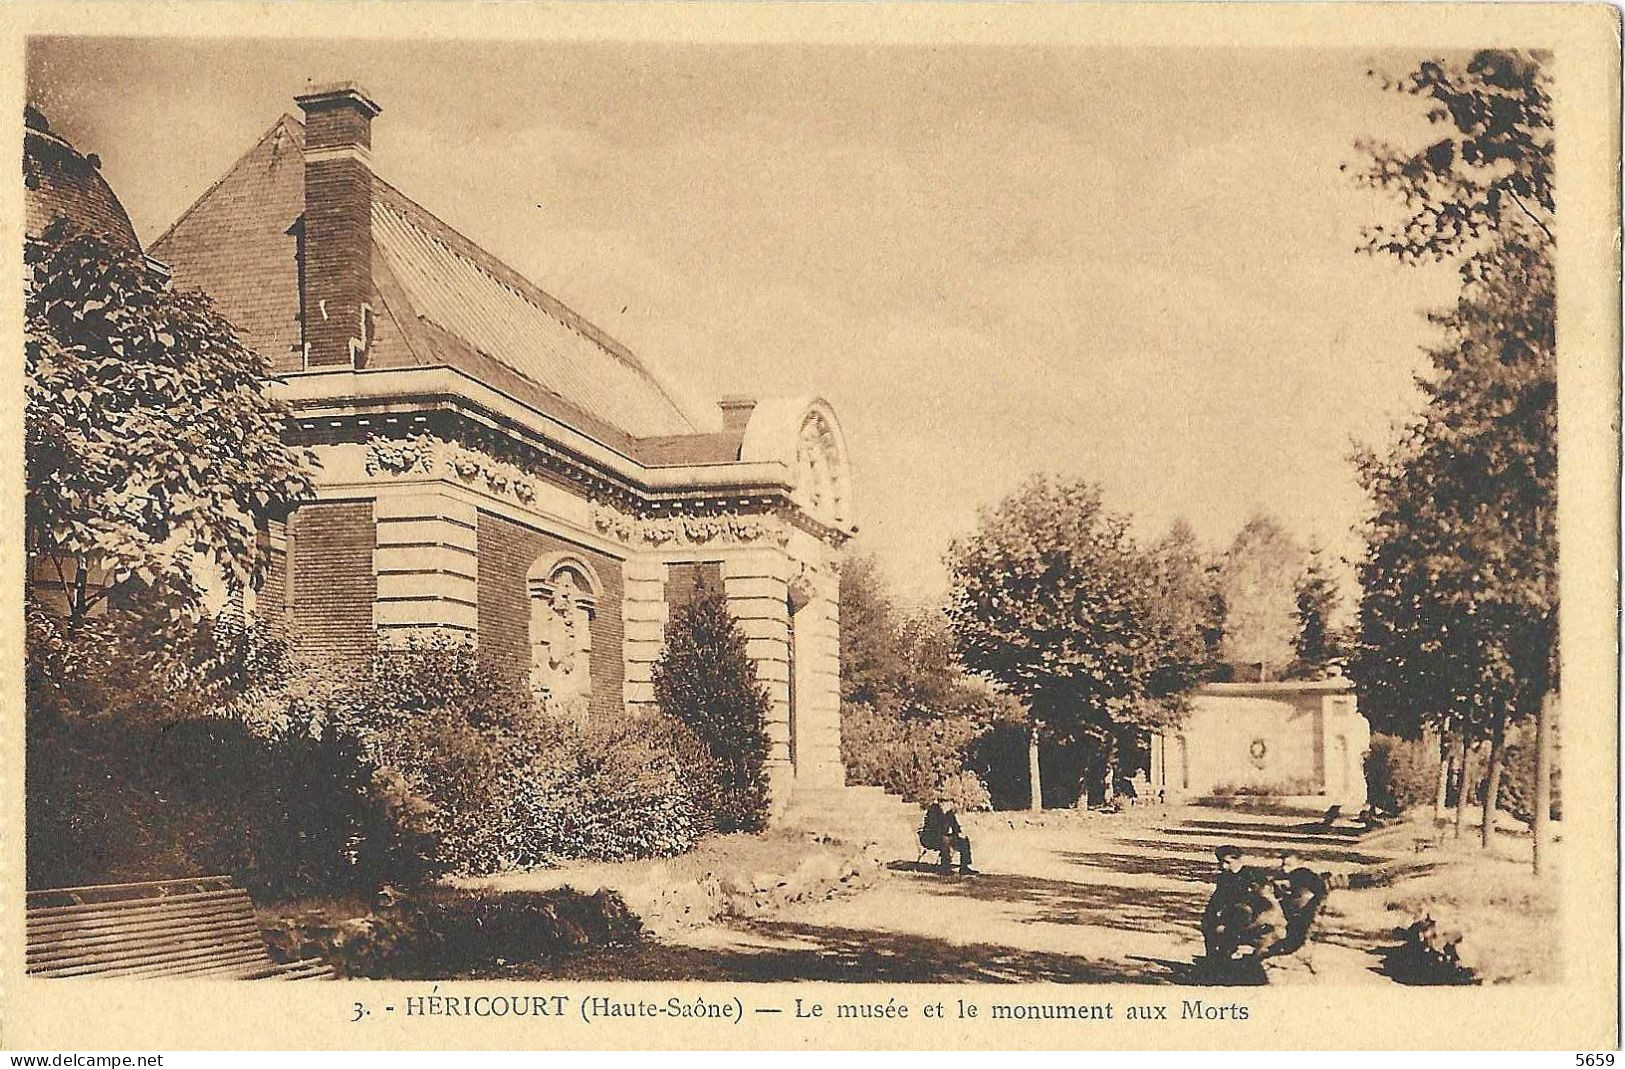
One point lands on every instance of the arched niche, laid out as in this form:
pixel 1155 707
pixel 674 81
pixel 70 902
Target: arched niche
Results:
pixel 563 591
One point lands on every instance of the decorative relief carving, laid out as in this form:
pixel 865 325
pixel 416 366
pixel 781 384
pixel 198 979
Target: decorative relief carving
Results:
pixel 725 528
pixel 561 609
pixel 401 456
pixel 424 454
pixel 821 476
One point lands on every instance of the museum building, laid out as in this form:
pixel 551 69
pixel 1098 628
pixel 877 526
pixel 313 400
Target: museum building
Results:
pixel 496 468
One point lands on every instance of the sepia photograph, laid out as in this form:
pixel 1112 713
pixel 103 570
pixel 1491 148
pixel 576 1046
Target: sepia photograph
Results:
pixel 678 511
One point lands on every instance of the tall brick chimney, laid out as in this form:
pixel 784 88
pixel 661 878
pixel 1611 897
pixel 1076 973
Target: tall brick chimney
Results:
pixel 337 236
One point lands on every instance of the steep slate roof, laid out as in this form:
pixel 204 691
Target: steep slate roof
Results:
pixel 439 298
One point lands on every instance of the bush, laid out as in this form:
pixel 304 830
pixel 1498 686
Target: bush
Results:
pixel 1292 786
pixel 113 802
pixel 1401 773
pixel 706 680
pixel 920 758
pixel 513 787
pixel 134 771
pixel 442 933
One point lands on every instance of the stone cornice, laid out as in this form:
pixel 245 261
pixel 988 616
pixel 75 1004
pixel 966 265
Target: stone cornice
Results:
pixel 400 402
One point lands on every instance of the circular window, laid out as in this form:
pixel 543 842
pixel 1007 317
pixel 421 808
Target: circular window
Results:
pixel 1258 750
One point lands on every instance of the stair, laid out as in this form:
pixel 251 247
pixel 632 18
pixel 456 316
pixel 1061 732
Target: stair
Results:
pixel 856 815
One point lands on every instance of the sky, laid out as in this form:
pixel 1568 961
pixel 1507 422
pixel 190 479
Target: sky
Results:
pixel 1132 266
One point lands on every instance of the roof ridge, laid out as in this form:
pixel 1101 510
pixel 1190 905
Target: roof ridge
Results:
pixel 283 119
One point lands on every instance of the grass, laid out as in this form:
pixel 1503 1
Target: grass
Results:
pixel 1507 916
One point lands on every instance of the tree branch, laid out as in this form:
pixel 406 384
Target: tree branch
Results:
pixel 1544 229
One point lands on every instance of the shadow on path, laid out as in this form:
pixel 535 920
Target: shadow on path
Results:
pixel 856 955
pixel 1102 905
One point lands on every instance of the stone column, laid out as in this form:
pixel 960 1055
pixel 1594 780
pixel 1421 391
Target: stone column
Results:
pixel 427 564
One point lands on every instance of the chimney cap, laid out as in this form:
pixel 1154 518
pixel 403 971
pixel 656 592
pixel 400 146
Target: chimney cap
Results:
pixel 337 95
pixel 736 411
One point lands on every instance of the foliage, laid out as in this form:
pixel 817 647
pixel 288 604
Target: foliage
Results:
pixel 1318 641
pixel 919 758
pixel 153 444
pixel 441 932
pixel 1517 786
pixel 1401 773
pixel 286 813
pixel 1050 599
pixel 1489 179
pixel 706 680
pixel 1458 621
pixel 1258 575
pixel 910 718
pixel 512 787
pixel 874 666
pixel 1292 786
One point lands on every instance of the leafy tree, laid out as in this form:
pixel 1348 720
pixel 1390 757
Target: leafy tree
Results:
pixel 873 662
pixel 1458 618
pixel 1317 642
pixel 1052 599
pixel 1191 611
pixel 1259 575
pixel 705 679
pixel 910 718
pixel 153 443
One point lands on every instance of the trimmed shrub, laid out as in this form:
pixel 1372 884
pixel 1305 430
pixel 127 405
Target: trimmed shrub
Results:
pixel 706 680
pixel 1517 792
pixel 441 933
pixel 1401 773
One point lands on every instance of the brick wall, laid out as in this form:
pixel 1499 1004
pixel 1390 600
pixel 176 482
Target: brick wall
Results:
pixel 507 550
pixel 271 600
pixel 332 580
pixel 681 580
pixel 338 255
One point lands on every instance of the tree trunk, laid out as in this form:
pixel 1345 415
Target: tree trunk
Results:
pixel 1441 790
pixel 1035 792
pixel 1492 779
pixel 1108 790
pixel 1461 784
pixel 1540 826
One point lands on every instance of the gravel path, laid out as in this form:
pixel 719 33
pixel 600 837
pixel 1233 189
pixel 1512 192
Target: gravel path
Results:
pixel 1064 898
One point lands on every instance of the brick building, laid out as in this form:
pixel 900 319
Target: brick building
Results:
pixel 495 467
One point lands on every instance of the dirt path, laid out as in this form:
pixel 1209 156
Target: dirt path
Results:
pixel 1072 899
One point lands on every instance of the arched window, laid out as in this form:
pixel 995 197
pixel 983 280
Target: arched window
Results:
pixel 563 600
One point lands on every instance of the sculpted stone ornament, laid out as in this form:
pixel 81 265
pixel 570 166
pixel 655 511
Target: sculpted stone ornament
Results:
pixel 401 456
pixel 727 528
pixel 561 647
pixel 424 453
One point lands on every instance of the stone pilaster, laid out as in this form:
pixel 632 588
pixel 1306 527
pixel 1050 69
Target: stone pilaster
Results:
pixel 817 631
pixel 643 614
pixel 757 588
pixel 427 564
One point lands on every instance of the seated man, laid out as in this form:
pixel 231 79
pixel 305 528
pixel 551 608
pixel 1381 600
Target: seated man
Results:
pixel 1302 892
pixel 941 833
pixel 1255 926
